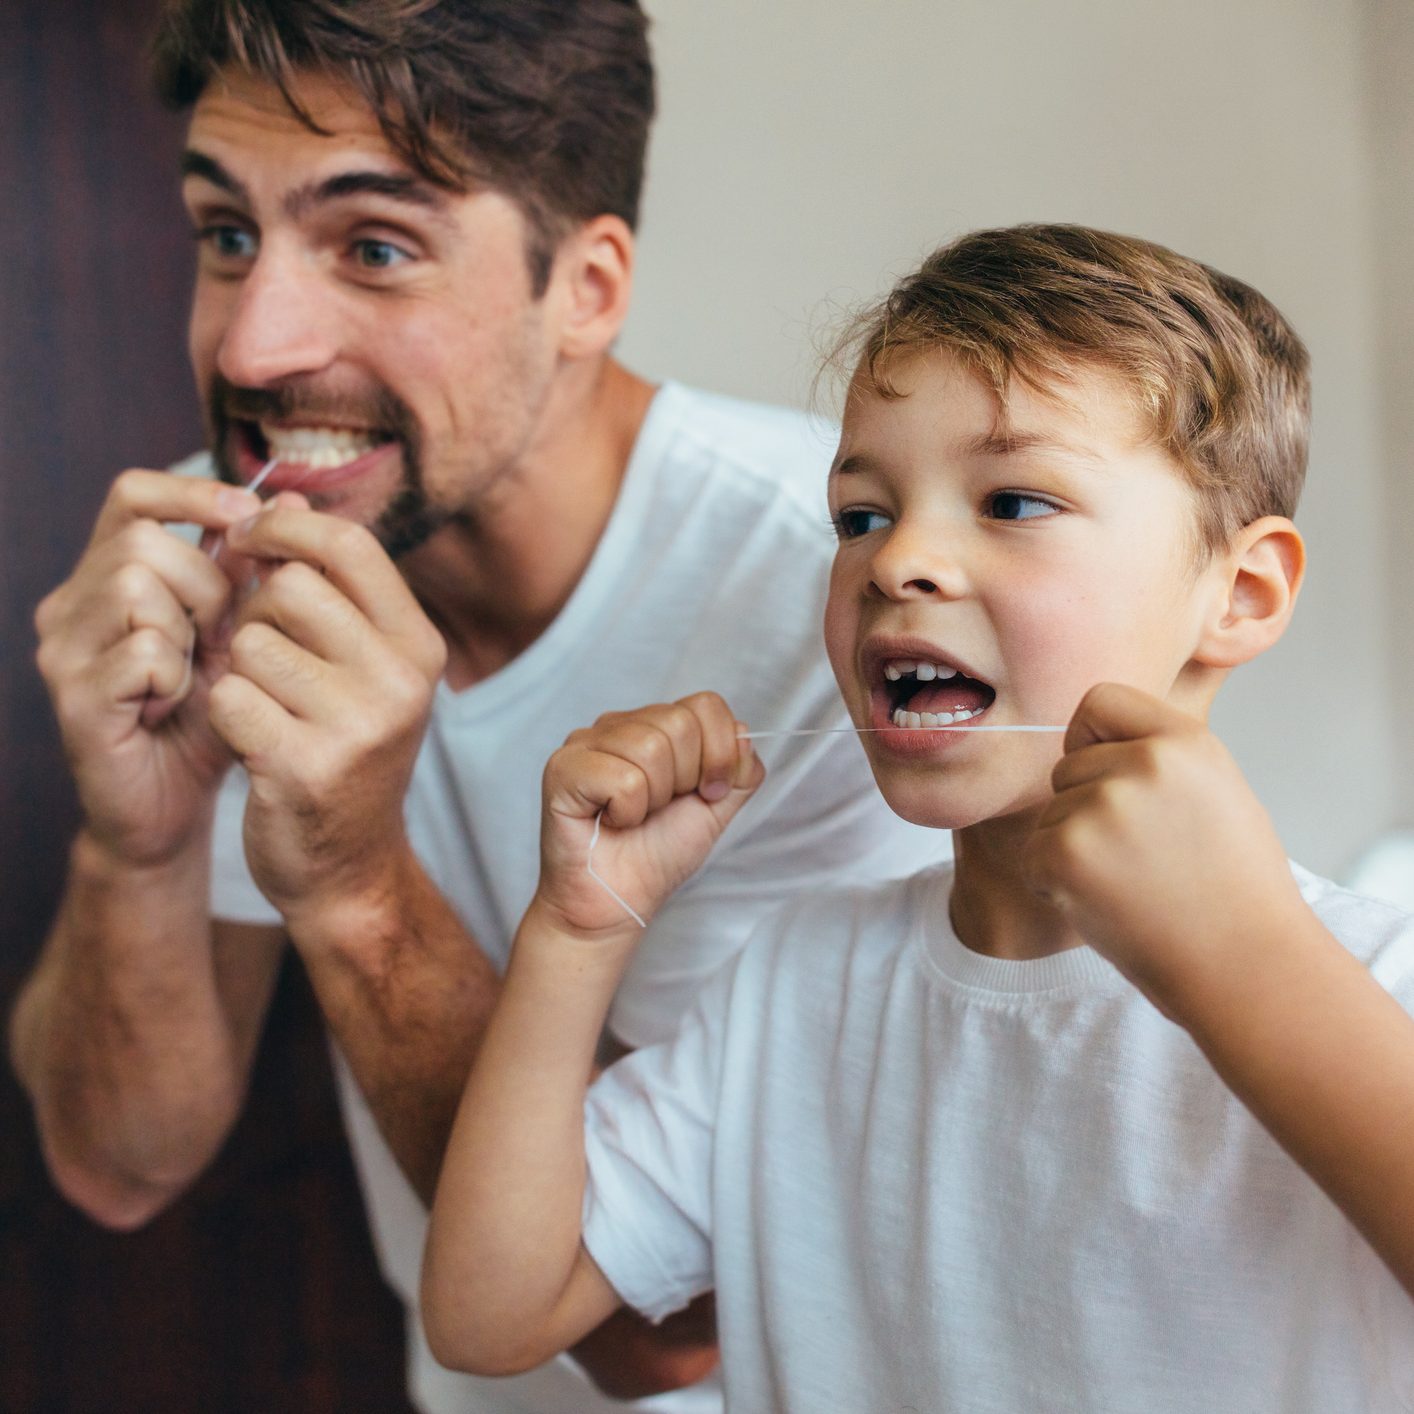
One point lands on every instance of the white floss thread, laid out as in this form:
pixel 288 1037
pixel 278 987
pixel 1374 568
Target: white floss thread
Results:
pixel 213 550
pixel 796 731
pixel 603 883
pixel 940 727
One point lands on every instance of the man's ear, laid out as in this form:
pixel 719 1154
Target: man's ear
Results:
pixel 593 279
pixel 1257 580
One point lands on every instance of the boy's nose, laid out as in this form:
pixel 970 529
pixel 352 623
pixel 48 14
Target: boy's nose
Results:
pixel 912 566
pixel 280 327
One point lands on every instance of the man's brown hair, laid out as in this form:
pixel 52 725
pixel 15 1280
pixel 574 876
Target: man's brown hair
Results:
pixel 547 101
pixel 1220 379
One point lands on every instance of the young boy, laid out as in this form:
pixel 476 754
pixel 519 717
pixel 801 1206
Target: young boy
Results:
pixel 1115 1113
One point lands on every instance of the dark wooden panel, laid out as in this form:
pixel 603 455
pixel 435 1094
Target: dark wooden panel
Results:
pixel 257 1292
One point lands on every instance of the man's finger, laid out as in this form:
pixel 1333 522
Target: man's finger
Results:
pixel 162 496
pixel 347 553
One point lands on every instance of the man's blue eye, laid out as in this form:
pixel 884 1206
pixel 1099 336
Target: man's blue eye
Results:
pixel 852 523
pixel 1014 505
pixel 229 242
pixel 379 255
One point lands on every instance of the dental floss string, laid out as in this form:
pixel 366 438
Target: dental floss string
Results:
pixel 628 908
pixel 213 550
pixel 603 883
pixel 941 727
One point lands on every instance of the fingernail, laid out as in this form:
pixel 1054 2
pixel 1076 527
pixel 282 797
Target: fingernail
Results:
pixel 714 790
pixel 232 500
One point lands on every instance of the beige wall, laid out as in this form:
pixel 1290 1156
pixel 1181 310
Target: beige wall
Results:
pixel 809 153
pixel 1390 63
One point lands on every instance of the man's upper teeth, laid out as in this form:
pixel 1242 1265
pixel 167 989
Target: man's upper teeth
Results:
pixel 318 447
pixel 897 668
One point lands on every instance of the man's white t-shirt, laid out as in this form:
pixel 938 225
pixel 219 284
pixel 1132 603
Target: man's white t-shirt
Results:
pixel 924 1179
pixel 710 575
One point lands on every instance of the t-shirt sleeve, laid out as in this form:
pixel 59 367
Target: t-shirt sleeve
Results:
pixel 650 1123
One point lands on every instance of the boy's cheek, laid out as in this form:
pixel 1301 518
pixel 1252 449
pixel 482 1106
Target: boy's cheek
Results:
pixel 840 630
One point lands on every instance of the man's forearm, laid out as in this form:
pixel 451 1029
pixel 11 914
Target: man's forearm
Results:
pixel 407 993
pixel 120 1037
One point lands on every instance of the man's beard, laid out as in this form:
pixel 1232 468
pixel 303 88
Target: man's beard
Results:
pixel 409 518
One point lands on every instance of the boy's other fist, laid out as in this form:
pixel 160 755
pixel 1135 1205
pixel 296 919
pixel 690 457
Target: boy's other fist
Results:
pixel 1155 846
pixel 668 779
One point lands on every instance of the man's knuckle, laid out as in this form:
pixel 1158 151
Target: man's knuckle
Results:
pixel 131 583
pixel 407 690
pixel 148 647
pixel 348 539
pixel 49 611
pixel 431 651
pixel 127 488
pixel 224 698
pixel 291 582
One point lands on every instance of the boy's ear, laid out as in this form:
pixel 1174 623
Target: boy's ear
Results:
pixel 593 275
pixel 1258 578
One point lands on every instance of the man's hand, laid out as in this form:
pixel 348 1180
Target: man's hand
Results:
pixel 668 779
pixel 129 645
pixel 1154 844
pixel 332 670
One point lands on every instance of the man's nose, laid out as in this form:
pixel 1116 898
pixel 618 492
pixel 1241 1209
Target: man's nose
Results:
pixel 282 325
pixel 918 562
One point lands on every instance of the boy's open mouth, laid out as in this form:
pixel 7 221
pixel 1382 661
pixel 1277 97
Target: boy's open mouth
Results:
pixel 932 694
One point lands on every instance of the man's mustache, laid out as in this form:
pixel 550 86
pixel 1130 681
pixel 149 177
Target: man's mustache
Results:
pixel 380 409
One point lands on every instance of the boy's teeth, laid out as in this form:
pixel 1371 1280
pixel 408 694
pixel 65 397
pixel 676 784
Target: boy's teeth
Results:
pixel 904 718
pixel 924 672
pixel 316 447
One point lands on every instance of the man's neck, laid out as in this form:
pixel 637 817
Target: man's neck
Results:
pixel 495 580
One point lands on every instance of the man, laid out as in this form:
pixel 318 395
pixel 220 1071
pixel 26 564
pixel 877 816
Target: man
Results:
pixel 415 227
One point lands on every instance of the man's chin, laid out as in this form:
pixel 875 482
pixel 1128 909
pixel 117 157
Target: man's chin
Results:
pixel 408 524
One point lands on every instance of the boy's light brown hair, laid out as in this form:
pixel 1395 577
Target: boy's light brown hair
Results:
pixel 1220 379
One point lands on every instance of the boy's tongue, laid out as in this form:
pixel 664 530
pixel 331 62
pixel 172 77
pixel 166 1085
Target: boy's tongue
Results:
pixel 957 694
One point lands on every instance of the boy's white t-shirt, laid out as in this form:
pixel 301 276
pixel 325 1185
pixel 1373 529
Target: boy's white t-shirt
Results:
pixel 924 1179
pixel 710 575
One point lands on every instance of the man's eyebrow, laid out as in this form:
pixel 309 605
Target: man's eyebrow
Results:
pixel 396 186
pixel 198 164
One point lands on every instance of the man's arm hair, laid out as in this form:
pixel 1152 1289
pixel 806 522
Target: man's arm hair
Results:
pixel 135 1033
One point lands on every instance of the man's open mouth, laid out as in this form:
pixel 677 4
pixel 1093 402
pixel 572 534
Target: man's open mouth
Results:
pixel 318 448
pixel 933 694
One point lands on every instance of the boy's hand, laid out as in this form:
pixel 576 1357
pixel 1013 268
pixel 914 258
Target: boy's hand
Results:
pixel 668 779
pixel 1155 846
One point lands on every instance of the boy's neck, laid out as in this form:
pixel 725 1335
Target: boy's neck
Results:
pixel 993 910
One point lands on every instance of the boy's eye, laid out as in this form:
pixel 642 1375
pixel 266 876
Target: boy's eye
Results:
pixel 1016 505
pixel 850 524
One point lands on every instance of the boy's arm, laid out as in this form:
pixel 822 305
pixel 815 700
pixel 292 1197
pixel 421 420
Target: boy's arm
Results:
pixel 1157 849
pixel 506 1281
